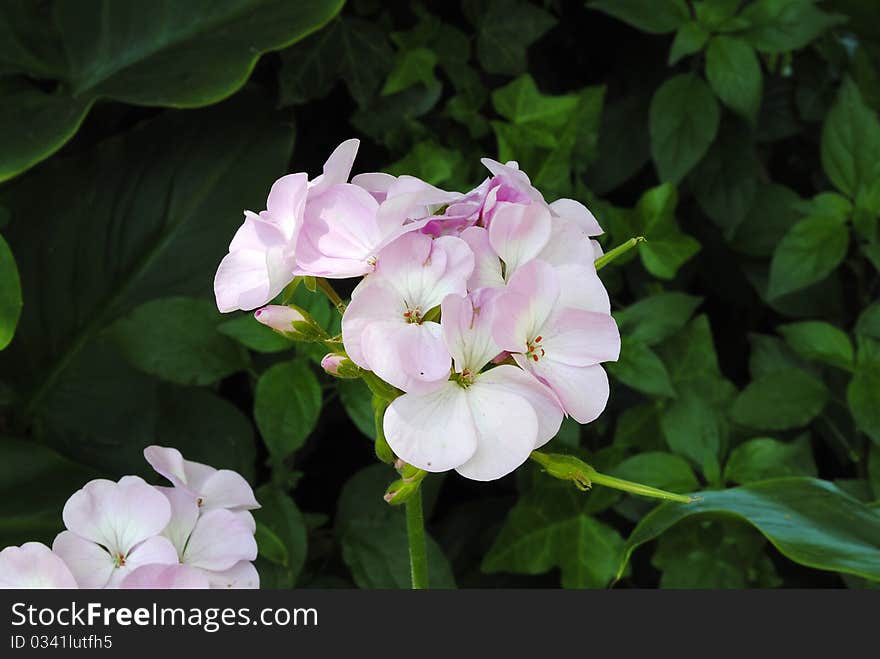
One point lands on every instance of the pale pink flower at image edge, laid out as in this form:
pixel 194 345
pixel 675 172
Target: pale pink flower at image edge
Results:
pixel 33 565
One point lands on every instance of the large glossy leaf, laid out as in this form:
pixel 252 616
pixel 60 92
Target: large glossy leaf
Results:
pixel 145 215
pixel 810 521
pixel 10 294
pixel 177 53
pixel 287 404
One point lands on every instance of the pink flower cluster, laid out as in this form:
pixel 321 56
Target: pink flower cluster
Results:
pixel 129 534
pixel 484 307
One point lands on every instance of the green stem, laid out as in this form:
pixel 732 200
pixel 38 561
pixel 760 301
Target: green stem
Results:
pixel 418 549
pixel 621 249
pixel 328 290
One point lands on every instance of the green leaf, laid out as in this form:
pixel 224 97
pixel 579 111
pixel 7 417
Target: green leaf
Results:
pixel 270 545
pixel 777 26
pixel 521 102
pixel 180 55
pixel 693 428
pixel 506 30
pixel 819 341
pixel 851 143
pixel 734 72
pixel 624 145
pixel 689 39
pixel 373 535
pixel 656 317
pixel 658 17
pixel 254 335
pixel 548 528
pixel 810 521
pixel 155 205
pixel 666 248
pixel 862 395
pixel 640 368
pixel 176 339
pixel 430 162
pixel 355 50
pixel 762 458
pixel 280 517
pixel 809 252
pixel 36 482
pixel 684 118
pixel 10 294
pixel 772 213
pixel 287 403
pixel 357 399
pixel 787 398
pixel 410 68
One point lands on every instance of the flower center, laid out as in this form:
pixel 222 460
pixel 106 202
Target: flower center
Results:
pixel 534 351
pixel 414 315
pixel 200 502
pixel 464 379
pixel 372 262
pixel 119 560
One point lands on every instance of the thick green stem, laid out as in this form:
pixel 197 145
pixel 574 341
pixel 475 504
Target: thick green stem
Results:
pixel 618 251
pixel 328 290
pixel 418 549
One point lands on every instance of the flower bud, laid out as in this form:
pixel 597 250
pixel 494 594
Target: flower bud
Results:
pixel 291 321
pixel 401 490
pixel 340 366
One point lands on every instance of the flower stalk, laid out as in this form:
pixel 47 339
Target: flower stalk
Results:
pixel 617 252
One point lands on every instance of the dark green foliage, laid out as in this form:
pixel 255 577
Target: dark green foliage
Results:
pixel 741 139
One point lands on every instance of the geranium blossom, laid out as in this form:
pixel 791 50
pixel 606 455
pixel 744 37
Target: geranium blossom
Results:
pixel 262 257
pixel 166 577
pixel 33 565
pixel 387 328
pixel 483 425
pixel 113 528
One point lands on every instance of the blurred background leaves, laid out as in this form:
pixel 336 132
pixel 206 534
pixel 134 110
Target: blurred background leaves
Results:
pixel 740 138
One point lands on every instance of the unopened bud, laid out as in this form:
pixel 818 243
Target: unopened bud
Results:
pixel 401 490
pixel 340 366
pixel 291 321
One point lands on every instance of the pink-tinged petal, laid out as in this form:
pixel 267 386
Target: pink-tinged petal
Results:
pixel 376 183
pixel 257 234
pixel 242 575
pixel 166 577
pixel 242 281
pixel 546 405
pixel 337 168
pixel 279 317
pixel 33 565
pixel 186 474
pixel 519 232
pixel 597 250
pixel 567 245
pixel 89 564
pixel 228 489
pixel 507 431
pixel 434 431
pixel 583 390
pixel 411 357
pixel 525 306
pixel 372 301
pixel 220 539
pixel 117 515
pixel 467 329
pixel 487 264
pixel 577 213
pixel 340 233
pixel 184 515
pixel 512 176
pixel 152 551
pixel 581 338
pixel 581 288
pixel 286 203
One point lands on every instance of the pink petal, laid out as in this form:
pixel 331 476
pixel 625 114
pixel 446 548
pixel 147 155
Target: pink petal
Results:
pixel 567 245
pixel 487 264
pixel 165 577
pixel 337 168
pixel 89 564
pixel 156 550
pixel 525 306
pixel 184 515
pixel 411 357
pixel 546 405
pixel 257 234
pixel 577 213
pixel 376 183
pixel 286 203
pixel 581 338
pixel 518 233
pixel 227 489
pixel 220 539
pixel 372 301
pixel 583 390
pixel 467 329
pixel 581 288
pixel 242 575
pixel 169 462
pixel 434 431
pixel 507 431
pixel 117 515
pixel 33 565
